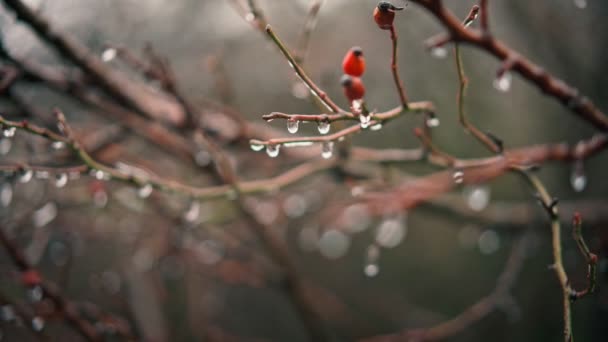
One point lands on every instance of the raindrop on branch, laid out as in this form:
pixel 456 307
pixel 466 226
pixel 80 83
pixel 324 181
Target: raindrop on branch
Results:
pixel 145 191
pixel 365 120
pixel 58 145
pixel 109 54
pixel 503 83
pixel 578 179
pixel 9 132
pixel 61 180
pixel 256 147
pixel 26 176
pixel 376 127
pixel 324 127
pixel 458 177
pixel 433 122
pixel 273 150
pixel 292 126
pixel 371 269
pixel 327 149
pixel 439 52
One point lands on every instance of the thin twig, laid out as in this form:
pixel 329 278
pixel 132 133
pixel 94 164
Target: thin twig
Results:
pixel 395 70
pixel 590 258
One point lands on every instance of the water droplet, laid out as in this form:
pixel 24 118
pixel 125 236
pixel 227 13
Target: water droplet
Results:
pixel 365 120
pixel 249 17
pixel 324 127
pixel 582 4
pixel 439 52
pixel 390 233
pixel 98 174
pixel 61 180
pixel 578 179
pixel 292 126
pixel 477 197
pixel 35 294
pixel 489 242
pixel 273 150
pixel 333 244
pixel 376 127
pixel 7 313
pixel 5 146
pixel 145 191
pixel 503 83
pixel 37 323
pixel 9 132
pixel 327 149
pixel 433 122
pixel 256 147
pixel 58 145
pixel 6 194
pixel 26 176
pixel 371 269
pixel 458 177
pixel 193 212
pixel 109 54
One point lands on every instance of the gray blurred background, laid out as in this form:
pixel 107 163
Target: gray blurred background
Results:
pixel 128 259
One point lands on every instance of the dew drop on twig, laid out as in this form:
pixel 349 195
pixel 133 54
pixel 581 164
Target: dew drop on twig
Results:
pixel 503 83
pixel 578 179
pixel 439 52
pixel 371 269
pixel 26 176
pixel 61 180
pixel 145 191
pixel 9 132
pixel 109 54
pixel 256 147
pixel 292 126
pixel 477 197
pixel 376 127
pixel 327 149
pixel 365 120
pixel 324 127
pixel 273 150
pixel 458 177
pixel 58 145
pixel 433 122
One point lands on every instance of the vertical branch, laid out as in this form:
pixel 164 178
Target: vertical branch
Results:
pixel 484 17
pixel 395 71
pixel 590 258
pixel 491 143
pixel 550 206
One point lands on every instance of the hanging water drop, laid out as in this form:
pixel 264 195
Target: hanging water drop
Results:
pixel 324 127
pixel 376 127
pixel 292 126
pixel 26 176
pixel 109 54
pixel 98 174
pixel 458 177
pixel 327 149
pixel 578 179
pixel 273 150
pixel 365 120
pixel 58 145
pixel 145 191
pixel 477 197
pixel 439 52
pixel 371 269
pixel 9 132
pixel 256 147
pixel 61 180
pixel 433 122
pixel 503 83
